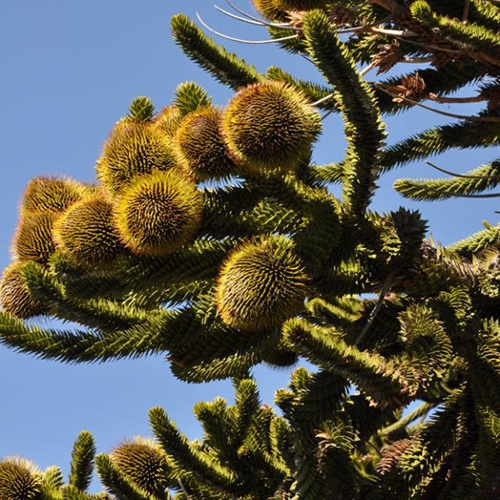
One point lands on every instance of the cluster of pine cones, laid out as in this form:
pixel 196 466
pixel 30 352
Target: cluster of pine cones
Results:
pixel 148 200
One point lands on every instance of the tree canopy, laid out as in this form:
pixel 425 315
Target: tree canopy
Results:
pixel 210 237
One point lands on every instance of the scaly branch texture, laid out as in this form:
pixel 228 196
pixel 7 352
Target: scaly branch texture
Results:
pixel 211 238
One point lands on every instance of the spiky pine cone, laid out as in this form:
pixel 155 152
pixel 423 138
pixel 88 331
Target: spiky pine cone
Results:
pixel 132 149
pixel 143 463
pixel 300 4
pixel 33 239
pixel 199 146
pixel 168 120
pixel 85 233
pixel 260 285
pixel 19 480
pixel 15 297
pixel 269 10
pixel 49 194
pixel 269 127
pixel 158 214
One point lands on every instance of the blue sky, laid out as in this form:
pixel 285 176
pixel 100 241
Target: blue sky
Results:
pixel 69 70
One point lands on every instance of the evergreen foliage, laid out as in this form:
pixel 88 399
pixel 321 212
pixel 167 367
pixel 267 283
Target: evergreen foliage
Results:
pixel 264 264
pixel 20 479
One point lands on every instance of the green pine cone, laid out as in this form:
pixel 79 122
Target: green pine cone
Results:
pixel 85 233
pixel 269 127
pixel 269 10
pixel 15 296
pixel 143 463
pixel 260 285
pixel 33 239
pixel 158 214
pixel 19 480
pixel 133 148
pixel 300 4
pixel 50 194
pixel 168 120
pixel 199 146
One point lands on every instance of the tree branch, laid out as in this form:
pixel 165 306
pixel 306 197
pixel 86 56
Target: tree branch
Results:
pixel 385 290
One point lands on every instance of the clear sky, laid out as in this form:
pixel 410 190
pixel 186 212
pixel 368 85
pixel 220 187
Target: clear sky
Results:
pixel 69 70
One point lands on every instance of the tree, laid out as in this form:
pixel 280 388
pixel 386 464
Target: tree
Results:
pixel 269 266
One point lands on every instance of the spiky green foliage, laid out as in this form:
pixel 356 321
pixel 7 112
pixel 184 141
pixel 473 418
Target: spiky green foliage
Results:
pixel 133 148
pixel 49 194
pixel 270 266
pixel 158 214
pixel 33 239
pixel 323 441
pixel 488 237
pixel 470 183
pixel 114 482
pixel 15 296
pixel 357 103
pixel 224 65
pixel 82 461
pixel 20 479
pixel 53 477
pixel 260 285
pixel 141 109
pixel 269 127
pixel 190 96
pixel 199 146
pixel 237 458
pixel 86 235
pixel 470 35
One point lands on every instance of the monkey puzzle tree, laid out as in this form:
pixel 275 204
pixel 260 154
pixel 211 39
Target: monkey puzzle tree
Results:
pixel 264 264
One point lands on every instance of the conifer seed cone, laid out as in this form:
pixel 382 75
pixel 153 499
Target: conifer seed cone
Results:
pixel 269 127
pixel 49 194
pixel 159 213
pixel 300 4
pixel 85 233
pixel 19 480
pixel 133 148
pixel 143 463
pixel 167 121
pixel 199 146
pixel 15 296
pixel 269 10
pixel 260 285
pixel 33 239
